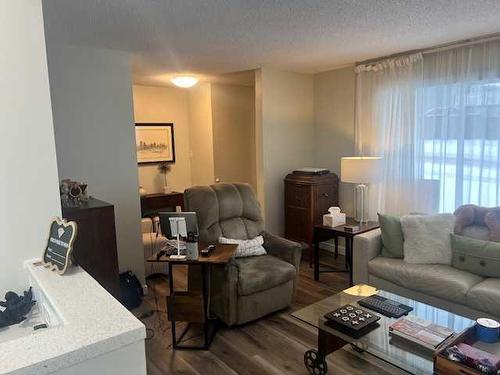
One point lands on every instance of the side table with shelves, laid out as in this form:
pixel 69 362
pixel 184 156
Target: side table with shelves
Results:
pixel 324 233
pixel 193 305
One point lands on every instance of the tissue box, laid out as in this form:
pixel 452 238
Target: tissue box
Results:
pixel 334 220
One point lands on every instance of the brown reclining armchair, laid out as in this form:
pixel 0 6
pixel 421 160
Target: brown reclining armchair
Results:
pixel 246 288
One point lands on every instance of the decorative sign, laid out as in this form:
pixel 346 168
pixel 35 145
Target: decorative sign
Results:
pixel 57 254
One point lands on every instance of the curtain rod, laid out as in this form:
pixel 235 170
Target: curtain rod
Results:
pixel 437 48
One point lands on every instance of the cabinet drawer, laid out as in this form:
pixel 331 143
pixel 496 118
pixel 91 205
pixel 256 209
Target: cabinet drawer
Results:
pixel 297 195
pixel 325 196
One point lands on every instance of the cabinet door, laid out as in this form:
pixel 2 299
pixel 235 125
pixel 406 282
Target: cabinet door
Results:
pixel 298 195
pixel 298 224
pixel 298 212
pixel 325 197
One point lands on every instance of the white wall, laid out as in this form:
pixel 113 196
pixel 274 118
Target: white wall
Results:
pixel 128 360
pixel 201 134
pixel 334 125
pixel 287 135
pixel 29 193
pixel 95 137
pixel 165 104
pixel 233 116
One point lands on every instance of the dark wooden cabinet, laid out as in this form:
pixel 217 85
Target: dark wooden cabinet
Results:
pixel 151 204
pixel 307 199
pixel 95 245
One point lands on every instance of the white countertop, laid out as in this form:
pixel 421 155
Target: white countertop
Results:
pixel 93 323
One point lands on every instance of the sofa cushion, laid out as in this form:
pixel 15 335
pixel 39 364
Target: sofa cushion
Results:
pixel 229 210
pixel 485 296
pixel 427 238
pixel 477 232
pixel 476 256
pixel 392 236
pixel 262 272
pixel 434 279
pixel 151 244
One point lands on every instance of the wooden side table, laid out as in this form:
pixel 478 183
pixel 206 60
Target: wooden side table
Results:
pixel 193 306
pixel 151 204
pixel 323 233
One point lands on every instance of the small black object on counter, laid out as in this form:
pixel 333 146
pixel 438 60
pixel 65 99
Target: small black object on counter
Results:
pixel 16 308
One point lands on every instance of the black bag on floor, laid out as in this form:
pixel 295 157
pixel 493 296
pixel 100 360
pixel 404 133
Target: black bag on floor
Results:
pixel 131 290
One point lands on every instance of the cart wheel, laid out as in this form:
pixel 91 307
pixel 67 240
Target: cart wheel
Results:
pixel 315 363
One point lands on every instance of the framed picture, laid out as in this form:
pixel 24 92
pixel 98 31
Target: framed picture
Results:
pixel 154 143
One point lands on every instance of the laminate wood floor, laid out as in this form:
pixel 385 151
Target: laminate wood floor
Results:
pixel 272 345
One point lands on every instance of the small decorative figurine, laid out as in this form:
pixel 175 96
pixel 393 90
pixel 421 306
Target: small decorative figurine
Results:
pixel 73 193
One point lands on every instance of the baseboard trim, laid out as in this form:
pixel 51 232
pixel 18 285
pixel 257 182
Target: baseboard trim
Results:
pixel 330 247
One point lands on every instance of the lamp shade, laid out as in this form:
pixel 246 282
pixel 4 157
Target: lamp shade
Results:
pixel 360 170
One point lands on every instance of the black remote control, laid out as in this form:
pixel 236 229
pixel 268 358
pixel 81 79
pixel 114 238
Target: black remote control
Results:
pixel 385 306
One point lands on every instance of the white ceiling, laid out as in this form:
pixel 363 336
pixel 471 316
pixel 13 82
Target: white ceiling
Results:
pixel 211 37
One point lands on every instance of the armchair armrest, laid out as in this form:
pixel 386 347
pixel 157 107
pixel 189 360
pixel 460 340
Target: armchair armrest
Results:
pixel 280 247
pixel 366 246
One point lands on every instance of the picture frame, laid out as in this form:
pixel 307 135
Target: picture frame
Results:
pixel 155 143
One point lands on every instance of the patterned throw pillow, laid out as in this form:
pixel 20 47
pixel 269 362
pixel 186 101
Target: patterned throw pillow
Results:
pixel 246 248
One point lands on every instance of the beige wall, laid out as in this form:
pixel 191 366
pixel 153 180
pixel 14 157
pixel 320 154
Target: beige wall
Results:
pixel 165 104
pixel 286 132
pixel 200 135
pixel 259 144
pixel 29 189
pixel 214 131
pixel 233 113
pixel 334 124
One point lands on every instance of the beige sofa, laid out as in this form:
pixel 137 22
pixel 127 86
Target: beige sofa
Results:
pixel 442 286
pixel 151 243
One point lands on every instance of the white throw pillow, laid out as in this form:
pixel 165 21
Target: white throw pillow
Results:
pixel 427 238
pixel 246 248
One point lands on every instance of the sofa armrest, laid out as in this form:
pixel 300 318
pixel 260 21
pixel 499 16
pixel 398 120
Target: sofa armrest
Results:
pixel 366 246
pixel 224 292
pixel 146 225
pixel 282 248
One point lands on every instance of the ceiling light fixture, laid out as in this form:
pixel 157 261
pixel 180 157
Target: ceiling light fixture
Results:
pixel 184 81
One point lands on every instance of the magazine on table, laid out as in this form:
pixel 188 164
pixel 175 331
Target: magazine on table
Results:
pixel 420 331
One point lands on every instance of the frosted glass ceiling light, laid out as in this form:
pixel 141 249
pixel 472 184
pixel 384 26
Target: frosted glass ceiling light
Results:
pixel 184 81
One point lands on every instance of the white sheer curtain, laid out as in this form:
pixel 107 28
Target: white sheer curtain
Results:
pixel 435 118
pixel 386 97
pixel 459 125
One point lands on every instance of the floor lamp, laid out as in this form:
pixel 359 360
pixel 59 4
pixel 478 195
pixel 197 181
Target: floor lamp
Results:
pixel 361 171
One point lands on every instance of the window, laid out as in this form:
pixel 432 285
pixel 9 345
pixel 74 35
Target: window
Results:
pixel 460 136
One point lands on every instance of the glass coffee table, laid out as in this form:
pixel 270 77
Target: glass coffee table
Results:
pixel 377 342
